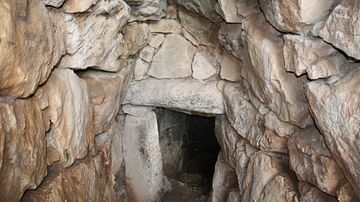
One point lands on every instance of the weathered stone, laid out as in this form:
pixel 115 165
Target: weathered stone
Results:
pixel 94 40
pixel 230 68
pixel 346 194
pixel 335 107
pixel 281 128
pixel 230 38
pixel 157 40
pixel 205 8
pixel 23 147
pixel 147 53
pixel 189 37
pixel 171 12
pixel 165 26
pixel 147 9
pixel 85 181
pixel 312 194
pixel 78 6
pixel 312 162
pixel 137 111
pixel 136 36
pixel 202 68
pixel 229 11
pixel 54 3
pixel 174 58
pixel 199 27
pixel 311 55
pixel 248 122
pixel 342 28
pixel 224 180
pixel 296 16
pixel 140 69
pixel 28 49
pixel 227 138
pixel 183 94
pixel 264 71
pixel 105 90
pixel 69 110
pixel 267 179
pixel 143 166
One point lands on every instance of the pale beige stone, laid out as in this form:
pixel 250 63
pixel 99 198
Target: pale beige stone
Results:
pixel 53 3
pixel 140 69
pixel 335 107
pixel 157 40
pixel 136 37
pixel 202 67
pixel 342 28
pixel 229 11
pixel 312 56
pixel 205 8
pixel 174 58
pixel 147 53
pixel 230 38
pixel 264 71
pixel 165 26
pixel 69 110
pixel 78 6
pixel 183 94
pixel 143 166
pixel 312 161
pixel 230 68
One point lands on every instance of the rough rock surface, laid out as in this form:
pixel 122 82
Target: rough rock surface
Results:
pixel 230 38
pixel 183 94
pixel 23 147
pixel 142 10
pixel 174 58
pixel 105 92
pixel 342 28
pixel 94 40
pixel 70 113
pixel 312 162
pixel 206 8
pixel 335 107
pixel 166 26
pixel 143 167
pixel 27 47
pixel 54 3
pixel 228 9
pixel 312 194
pixel 311 55
pixel 230 68
pixel 202 66
pixel 78 6
pixel 136 36
pixel 85 181
pixel 296 16
pixel 266 75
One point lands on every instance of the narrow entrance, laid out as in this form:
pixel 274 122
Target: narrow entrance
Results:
pixel 189 149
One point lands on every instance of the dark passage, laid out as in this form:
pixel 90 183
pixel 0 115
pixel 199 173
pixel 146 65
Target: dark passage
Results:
pixel 200 150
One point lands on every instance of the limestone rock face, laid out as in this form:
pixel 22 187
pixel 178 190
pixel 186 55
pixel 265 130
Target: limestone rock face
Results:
pixel 142 10
pixel 143 166
pixel 94 40
pixel 310 193
pixel 224 180
pixel 296 16
pixel 312 162
pixel 267 180
pixel 85 181
pixel 335 105
pixel 342 28
pixel 230 68
pixel 166 26
pixel 183 94
pixel 27 47
pixel 136 36
pixel 317 58
pixel 174 58
pixel 202 66
pixel 105 91
pixel 230 38
pixel 264 70
pixel 23 147
pixel 70 113
pixel 205 8
pixel 229 11
pixel 78 6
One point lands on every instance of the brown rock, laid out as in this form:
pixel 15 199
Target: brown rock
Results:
pixel 22 147
pixel 71 135
pixel 88 180
pixel 312 161
pixel 136 36
pixel 27 47
pixel 312 194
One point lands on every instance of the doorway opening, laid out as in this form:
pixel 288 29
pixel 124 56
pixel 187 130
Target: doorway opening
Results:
pixel 189 150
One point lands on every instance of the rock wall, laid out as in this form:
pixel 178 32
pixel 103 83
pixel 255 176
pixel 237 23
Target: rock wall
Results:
pixel 80 80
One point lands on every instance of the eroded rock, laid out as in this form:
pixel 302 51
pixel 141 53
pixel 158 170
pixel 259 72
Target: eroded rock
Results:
pixel 202 67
